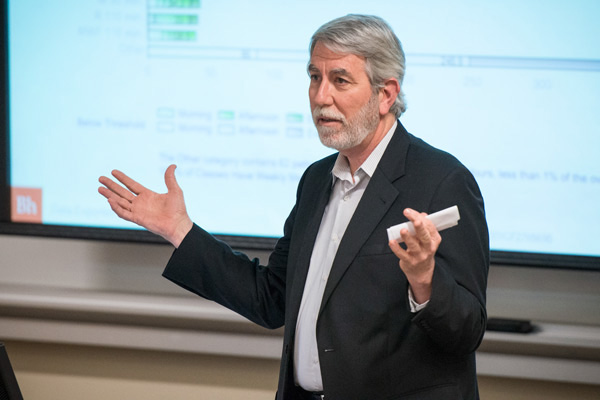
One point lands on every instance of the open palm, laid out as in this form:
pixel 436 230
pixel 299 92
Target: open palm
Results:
pixel 161 213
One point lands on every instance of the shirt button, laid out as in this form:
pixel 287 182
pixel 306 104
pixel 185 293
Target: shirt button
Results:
pixel 346 198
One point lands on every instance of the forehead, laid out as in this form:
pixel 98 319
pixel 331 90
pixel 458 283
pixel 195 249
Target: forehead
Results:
pixel 325 59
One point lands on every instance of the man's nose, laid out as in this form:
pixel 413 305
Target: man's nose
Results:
pixel 323 95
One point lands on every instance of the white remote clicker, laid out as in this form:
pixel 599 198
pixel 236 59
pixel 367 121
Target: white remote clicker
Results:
pixel 443 219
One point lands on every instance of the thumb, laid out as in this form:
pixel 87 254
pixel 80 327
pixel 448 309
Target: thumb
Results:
pixel 170 180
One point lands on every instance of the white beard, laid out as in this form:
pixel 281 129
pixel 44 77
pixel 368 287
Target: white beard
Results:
pixel 354 131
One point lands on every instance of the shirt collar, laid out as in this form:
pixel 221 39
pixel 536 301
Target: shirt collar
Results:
pixel 341 168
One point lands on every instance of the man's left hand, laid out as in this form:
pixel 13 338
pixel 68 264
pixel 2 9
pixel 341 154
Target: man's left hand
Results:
pixel 417 259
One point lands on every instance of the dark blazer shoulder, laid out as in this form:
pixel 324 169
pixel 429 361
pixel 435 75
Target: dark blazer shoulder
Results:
pixel 408 154
pixel 421 152
pixel 426 162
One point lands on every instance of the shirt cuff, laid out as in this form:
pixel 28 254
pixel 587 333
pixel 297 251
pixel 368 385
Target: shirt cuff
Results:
pixel 414 306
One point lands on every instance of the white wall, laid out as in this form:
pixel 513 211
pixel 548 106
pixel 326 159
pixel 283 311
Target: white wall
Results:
pixel 540 294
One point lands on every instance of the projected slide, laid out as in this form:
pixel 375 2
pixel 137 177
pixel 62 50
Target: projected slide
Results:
pixel 220 89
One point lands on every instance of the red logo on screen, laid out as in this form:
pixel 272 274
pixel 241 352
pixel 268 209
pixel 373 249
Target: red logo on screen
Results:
pixel 26 205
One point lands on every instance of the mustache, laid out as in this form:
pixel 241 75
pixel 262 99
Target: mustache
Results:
pixel 328 113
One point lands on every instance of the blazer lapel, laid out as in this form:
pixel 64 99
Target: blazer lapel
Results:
pixel 373 206
pixel 311 214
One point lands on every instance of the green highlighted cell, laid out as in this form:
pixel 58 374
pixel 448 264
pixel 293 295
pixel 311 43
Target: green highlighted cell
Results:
pixel 164 35
pixel 175 3
pixel 294 118
pixel 226 115
pixel 172 19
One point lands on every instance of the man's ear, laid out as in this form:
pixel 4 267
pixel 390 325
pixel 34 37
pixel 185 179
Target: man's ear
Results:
pixel 388 94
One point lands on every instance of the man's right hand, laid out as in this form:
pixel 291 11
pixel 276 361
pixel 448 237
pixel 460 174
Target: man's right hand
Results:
pixel 164 214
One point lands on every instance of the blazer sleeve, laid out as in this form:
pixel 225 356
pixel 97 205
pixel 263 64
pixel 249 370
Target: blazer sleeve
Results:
pixel 455 317
pixel 210 268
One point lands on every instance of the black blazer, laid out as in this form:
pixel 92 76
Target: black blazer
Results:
pixel 370 345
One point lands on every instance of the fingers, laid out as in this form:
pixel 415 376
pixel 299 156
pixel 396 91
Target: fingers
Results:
pixel 420 245
pixel 425 231
pixel 132 185
pixel 121 207
pixel 170 180
pixel 119 198
pixel 417 259
pixel 114 189
pixel 397 249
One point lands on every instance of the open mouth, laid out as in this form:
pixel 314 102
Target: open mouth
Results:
pixel 325 121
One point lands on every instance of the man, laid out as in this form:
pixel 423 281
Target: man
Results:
pixel 364 319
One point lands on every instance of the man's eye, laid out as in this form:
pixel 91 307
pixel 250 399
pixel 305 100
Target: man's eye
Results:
pixel 341 81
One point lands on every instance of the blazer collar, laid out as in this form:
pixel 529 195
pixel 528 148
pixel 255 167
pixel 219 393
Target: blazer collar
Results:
pixel 393 161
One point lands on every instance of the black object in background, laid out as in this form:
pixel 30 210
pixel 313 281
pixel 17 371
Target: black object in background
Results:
pixel 9 388
pixel 509 325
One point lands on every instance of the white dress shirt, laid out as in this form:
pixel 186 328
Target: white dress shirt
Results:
pixel 347 190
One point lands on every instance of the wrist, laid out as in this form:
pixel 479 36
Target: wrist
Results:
pixel 421 285
pixel 421 293
pixel 180 232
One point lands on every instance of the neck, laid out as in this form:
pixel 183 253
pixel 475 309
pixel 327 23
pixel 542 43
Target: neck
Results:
pixel 357 155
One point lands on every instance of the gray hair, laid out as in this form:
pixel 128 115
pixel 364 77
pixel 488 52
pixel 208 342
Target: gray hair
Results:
pixel 370 37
